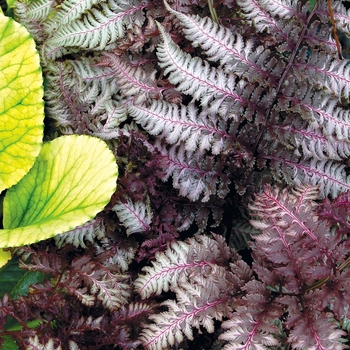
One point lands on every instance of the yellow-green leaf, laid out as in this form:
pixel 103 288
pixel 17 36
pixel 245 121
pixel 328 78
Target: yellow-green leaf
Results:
pixel 21 102
pixel 5 256
pixel 72 180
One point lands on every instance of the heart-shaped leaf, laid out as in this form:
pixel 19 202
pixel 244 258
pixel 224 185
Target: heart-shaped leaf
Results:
pixel 21 102
pixel 72 180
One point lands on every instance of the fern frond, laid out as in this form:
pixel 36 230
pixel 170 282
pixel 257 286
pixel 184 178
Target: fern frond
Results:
pixel 61 103
pixel 38 10
pixel 322 112
pixel 83 296
pixel 262 19
pixel 203 248
pixel 109 288
pixel 192 76
pixel 102 111
pixel 199 273
pixel 323 71
pixel 318 34
pixel 69 11
pixel 174 265
pixel 244 333
pixel 341 16
pixel 135 217
pixel 134 310
pixel 251 325
pixel 106 125
pixel 110 291
pixel 195 308
pixel 97 29
pixel 309 142
pixel 32 14
pixel 73 345
pixel 89 71
pixel 165 272
pixel 79 236
pixel 183 124
pixel 327 174
pixel 284 9
pixel 133 81
pixel 194 175
pixel 318 331
pixel 34 343
pixel 120 254
pixel 232 51
pixel 292 235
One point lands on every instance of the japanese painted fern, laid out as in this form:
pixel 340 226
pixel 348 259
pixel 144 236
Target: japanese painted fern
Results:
pixel 294 296
pixel 201 115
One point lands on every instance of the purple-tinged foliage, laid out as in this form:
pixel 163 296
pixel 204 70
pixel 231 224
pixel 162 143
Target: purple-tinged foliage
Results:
pixel 206 105
pixel 297 290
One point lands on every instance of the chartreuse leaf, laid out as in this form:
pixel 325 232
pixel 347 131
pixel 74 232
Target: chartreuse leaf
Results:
pixel 72 180
pixel 21 102
pixel 5 256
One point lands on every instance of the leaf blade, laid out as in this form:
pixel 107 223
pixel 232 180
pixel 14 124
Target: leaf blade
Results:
pixel 22 106
pixel 71 181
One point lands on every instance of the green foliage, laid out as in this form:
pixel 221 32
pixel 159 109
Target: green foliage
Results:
pixel 71 181
pixel 21 106
pixel 16 281
pixel 61 189
pixel 52 188
pixel 204 103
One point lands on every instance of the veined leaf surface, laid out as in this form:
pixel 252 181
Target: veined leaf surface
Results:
pixel 5 256
pixel 72 180
pixel 21 102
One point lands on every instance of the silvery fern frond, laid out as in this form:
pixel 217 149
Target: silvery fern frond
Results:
pixel 194 175
pixel 165 272
pixel 195 308
pixel 98 28
pixel 284 19
pixel 37 10
pixel 211 86
pixel 183 124
pixel 323 70
pixel 232 51
pixel 32 15
pixel 100 284
pixel 307 141
pixel 136 84
pixel 82 235
pixel 199 272
pixel 34 343
pixel 69 11
pixel 135 217
pixel 329 175
pixel 175 264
